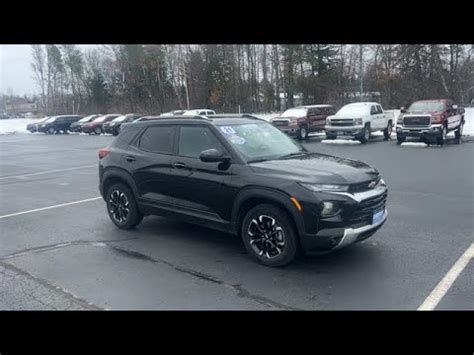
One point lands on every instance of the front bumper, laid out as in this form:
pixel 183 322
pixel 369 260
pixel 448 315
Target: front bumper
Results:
pixel 353 224
pixel 345 131
pixel 290 130
pixel 431 131
pixel 109 129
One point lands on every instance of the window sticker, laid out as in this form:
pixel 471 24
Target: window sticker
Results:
pixel 227 130
pixel 237 139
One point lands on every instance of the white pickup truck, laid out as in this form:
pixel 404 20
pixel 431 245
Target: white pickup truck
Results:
pixel 358 120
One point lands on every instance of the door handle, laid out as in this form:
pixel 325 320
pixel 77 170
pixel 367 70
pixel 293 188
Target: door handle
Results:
pixel 179 165
pixel 130 158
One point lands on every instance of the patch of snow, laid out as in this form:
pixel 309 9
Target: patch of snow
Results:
pixel 340 141
pixel 267 116
pixel 414 144
pixel 16 125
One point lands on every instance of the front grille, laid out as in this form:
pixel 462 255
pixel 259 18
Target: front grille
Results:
pixel 281 123
pixel 366 209
pixel 362 186
pixel 342 123
pixel 417 121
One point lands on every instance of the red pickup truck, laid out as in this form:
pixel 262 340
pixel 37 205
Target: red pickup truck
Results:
pixel 430 121
pixel 302 120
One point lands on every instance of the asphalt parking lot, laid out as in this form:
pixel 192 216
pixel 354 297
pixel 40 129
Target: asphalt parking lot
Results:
pixel 59 250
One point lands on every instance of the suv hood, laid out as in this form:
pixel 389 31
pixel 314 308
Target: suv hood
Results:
pixel 317 168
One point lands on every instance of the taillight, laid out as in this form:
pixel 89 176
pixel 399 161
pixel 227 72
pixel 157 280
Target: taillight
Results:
pixel 103 152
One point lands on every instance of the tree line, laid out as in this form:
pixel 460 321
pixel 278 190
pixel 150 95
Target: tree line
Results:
pixel 152 79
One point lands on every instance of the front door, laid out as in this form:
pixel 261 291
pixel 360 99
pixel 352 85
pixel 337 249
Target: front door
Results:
pixel 199 188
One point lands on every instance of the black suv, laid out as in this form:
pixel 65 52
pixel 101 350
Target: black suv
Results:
pixel 58 124
pixel 243 176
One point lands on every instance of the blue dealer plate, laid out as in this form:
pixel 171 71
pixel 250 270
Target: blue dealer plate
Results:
pixel 377 217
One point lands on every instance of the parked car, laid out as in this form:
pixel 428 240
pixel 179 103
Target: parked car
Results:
pixel 242 176
pixel 56 124
pixel 148 118
pixel 33 127
pixel 173 113
pixel 431 121
pixel 113 127
pixel 302 120
pixel 76 126
pixel 358 121
pixel 199 112
pixel 96 125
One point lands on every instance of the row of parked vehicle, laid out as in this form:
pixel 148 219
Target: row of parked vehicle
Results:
pixel 428 120
pixel 99 123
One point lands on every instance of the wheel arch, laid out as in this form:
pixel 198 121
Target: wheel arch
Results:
pixel 251 197
pixel 117 175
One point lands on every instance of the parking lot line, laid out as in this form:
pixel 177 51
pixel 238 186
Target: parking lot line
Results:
pixel 50 207
pixel 444 285
pixel 48 172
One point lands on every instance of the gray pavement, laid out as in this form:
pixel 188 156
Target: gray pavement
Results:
pixel 73 257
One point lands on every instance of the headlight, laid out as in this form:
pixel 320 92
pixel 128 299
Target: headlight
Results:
pixel 358 121
pixel 330 208
pixel 294 121
pixel 325 187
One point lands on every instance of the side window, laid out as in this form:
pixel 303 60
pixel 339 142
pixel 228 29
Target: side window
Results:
pixel 59 120
pixel 379 109
pixel 317 112
pixel 158 139
pixel 373 110
pixel 194 139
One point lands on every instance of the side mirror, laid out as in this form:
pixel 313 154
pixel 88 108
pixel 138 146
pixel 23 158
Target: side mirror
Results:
pixel 213 156
pixel 455 107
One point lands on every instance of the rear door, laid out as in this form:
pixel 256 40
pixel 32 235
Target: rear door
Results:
pixel 149 161
pixel 383 117
pixel 316 119
pixel 199 188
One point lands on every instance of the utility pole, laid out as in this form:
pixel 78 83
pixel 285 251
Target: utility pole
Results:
pixel 360 73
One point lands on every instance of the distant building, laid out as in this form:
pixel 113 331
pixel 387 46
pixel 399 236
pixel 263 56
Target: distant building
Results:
pixel 370 96
pixel 23 107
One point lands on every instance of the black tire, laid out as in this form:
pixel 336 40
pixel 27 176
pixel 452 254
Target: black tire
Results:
pixel 400 139
pixel 116 131
pixel 281 230
pixel 51 130
pixel 388 131
pixel 303 133
pixel 129 210
pixel 98 130
pixel 365 135
pixel 331 135
pixel 458 132
pixel 442 137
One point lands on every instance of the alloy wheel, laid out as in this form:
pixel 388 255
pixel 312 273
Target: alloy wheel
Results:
pixel 119 206
pixel 267 237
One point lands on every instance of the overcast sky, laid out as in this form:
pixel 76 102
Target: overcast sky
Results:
pixel 15 69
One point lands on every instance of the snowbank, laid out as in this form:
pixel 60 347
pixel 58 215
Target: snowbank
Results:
pixel 16 125
pixel 340 141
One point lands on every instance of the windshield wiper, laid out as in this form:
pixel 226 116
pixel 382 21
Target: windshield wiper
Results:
pixel 291 155
pixel 257 160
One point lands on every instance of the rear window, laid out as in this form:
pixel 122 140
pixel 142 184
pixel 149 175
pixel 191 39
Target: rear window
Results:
pixel 158 139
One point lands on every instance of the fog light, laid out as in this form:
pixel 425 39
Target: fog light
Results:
pixel 329 209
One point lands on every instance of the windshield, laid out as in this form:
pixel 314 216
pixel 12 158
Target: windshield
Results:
pixel 119 119
pixel 294 112
pixel 87 118
pixel 259 141
pixel 100 119
pixel 426 106
pixel 51 119
pixel 353 110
